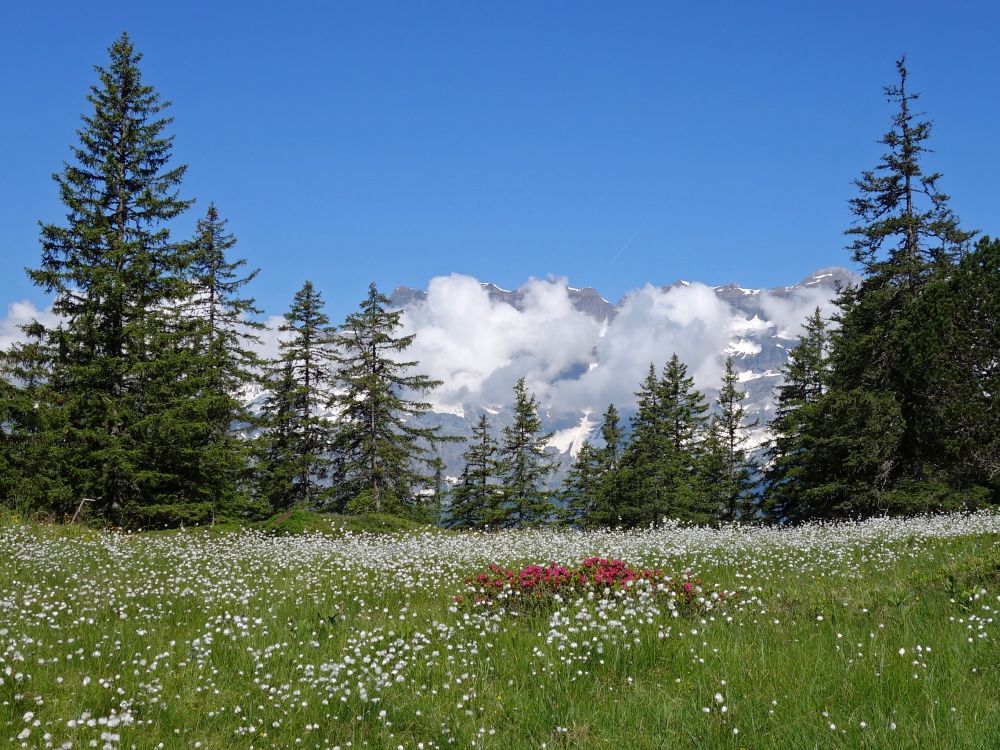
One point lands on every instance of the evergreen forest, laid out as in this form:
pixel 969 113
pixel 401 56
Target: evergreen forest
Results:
pixel 127 411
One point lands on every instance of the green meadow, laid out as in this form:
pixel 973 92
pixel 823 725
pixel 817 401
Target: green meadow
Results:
pixel 320 632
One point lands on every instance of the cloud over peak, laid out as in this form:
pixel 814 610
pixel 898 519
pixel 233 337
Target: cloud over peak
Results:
pixel 478 344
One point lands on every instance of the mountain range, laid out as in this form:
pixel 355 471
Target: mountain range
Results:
pixel 762 325
pixel 578 351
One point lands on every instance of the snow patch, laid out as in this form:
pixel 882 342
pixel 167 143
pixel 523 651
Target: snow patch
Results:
pixel 491 284
pixel 751 325
pixel 818 278
pixel 758 438
pixel 747 376
pixel 457 409
pixel 743 348
pixel 572 438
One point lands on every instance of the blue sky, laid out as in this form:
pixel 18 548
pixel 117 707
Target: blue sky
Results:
pixel 612 143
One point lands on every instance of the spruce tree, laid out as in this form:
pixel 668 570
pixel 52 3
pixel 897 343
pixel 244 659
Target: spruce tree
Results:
pixel 295 449
pixel 904 228
pixel 612 434
pixel 114 271
pixel 734 488
pixel 32 479
pixel 905 235
pixel 790 472
pixel 660 473
pixel 956 333
pixel 608 492
pixel 580 492
pixel 438 492
pixel 713 469
pixel 227 330
pixel 525 465
pixel 462 513
pixel 684 408
pixel 476 499
pixel 214 319
pixel 642 497
pixel 384 452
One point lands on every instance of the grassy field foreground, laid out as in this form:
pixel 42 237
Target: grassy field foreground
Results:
pixel 880 634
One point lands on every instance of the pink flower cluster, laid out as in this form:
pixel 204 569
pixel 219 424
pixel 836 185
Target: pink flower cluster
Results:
pixel 537 582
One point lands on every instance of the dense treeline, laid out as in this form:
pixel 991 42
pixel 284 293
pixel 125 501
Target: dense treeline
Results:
pixel 129 406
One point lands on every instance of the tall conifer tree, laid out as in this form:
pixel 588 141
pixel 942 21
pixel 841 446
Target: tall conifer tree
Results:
pixel 642 497
pixel 295 448
pixel 525 464
pixel 956 333
pixel 874 458
pixel 476 500
pixel 114 271
pixel 684 408
pixel 384 453
pixel 217 366
pixel 609 456
pixel 734 487
pixel 32 475
pixel 660 470
pixel 580 492
pixel 790 455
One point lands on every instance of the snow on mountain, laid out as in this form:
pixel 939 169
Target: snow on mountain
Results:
pixel 578 351
pixel 742 348
pixel 571 439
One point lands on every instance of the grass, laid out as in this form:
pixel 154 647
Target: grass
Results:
pixel 307 522
pixel 314 632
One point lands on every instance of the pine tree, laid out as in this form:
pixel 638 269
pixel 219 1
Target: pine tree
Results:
pixel 31 425
pixel 905 236
pixel 956 333
pixel 463 512
pixel 714 468
pixel 216 283
pixel 905 228
pixel 805 379
pixel 114 271
pixel 525 465
pixel 382 447
pixel 476 500
pixel 438 492
pixel 581 488
pixel 605 511
pixel 612 434
pixel 684 409
pixel 660 467
pixel 210 456
pixel 734 489
pixel 295 449
pixel 642 497
pixel 276 466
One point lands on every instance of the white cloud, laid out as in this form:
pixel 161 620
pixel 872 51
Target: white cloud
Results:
pixel 652 324
pixel 18 314
pixel 479 347
pixel 788 313
pixel 573 363
pixel 269 337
